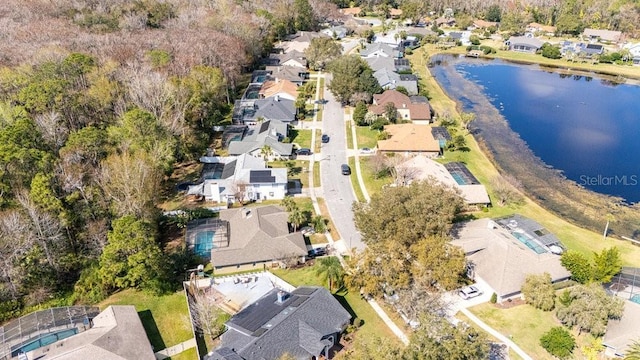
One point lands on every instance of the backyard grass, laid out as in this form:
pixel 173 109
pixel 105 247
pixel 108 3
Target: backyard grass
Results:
pixel 462 317
pixel 354 181
pixel 525 325
pixel 301 137
pixel 372 326
pixel 165 318
pixel 572 236
pixel 366 137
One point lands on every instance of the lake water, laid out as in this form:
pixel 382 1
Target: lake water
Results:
pixel 586 127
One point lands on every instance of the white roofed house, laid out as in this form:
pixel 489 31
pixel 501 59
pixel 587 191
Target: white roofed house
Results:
pixel 245 177
pixel 524 44
pixel 605 36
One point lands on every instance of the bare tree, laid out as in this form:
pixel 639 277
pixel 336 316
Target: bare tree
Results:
pixel 207 317
pixel 239 191
pixel 15 242
pixel 51 128
pixel 505 189
pixel 402 174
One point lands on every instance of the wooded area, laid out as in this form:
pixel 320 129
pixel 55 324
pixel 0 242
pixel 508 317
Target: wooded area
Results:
pixel 98 102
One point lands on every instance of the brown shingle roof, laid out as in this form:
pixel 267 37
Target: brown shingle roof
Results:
pixel 351 11
pixel 418 111
pixel 271 88
pixel 409 137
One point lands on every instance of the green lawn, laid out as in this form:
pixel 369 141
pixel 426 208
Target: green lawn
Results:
pixel 349 136
pixel 373 325
pixel 373 184
pixel 190 354
pixel 318 144
pixel 316 174
pixel 355 182
pixel 301 137
pixel 165 318
pixel 525 325
pixel 299 170
pixel 366 137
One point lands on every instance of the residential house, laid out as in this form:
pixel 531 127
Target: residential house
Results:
pixel 260 76
pixel 401 65
pixel 605 36
pixel 381 62
pixel 413 109
pixel 296 75
pixel 536 28
pixel 388 79
pixel 409 139
pixel 380 49
pixel 483 24
pixel 593 49
pixel 446 21
pixel 292 58
pixel 634 51
pixel 305 324
pixel 269 133
pixel 299 41
pixel 336 32
pixel 284 89
pixel 622 333
pixel 245 177
pixel 117 333
pixel 524 44
pixel 353 11
pixel 257 237
pixel 251 112
pixel 395 13
pixel 503 252
pixel 422 168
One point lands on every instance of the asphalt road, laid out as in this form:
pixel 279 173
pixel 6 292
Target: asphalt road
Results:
pixel 337 189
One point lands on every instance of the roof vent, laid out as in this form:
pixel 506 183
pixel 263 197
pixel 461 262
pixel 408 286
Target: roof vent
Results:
pixel 276 98
pixel 282 296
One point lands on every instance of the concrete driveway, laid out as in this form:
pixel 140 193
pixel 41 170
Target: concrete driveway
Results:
pixel 456 302
pixel 337 188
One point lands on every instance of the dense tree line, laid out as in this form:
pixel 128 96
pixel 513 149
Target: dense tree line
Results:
pixel 98 101
pixel 570 17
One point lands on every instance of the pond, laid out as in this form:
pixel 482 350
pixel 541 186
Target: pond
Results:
pixel 586 128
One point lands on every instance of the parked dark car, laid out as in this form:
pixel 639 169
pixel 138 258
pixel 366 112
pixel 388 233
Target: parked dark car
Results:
pixel 303 151
pixel 346 170
pixel 317 252
pixel 325 138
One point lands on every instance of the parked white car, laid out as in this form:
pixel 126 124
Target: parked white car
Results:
pixel 367 151
pixel 469 292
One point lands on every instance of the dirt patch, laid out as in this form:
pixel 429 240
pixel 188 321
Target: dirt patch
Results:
pixel 509 303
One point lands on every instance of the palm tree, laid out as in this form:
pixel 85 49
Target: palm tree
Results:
pixel 319 224
pixel 266 152
pixel 633 353
pixel 288 203
pixel 296 218
pixel 331 270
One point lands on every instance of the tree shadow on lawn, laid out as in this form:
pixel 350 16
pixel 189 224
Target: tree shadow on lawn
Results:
pixel 340 296
pixel 151 328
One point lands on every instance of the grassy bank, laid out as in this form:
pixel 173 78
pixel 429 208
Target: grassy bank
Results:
pixel 573 236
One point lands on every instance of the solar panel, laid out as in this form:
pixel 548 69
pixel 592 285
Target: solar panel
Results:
pixel 440 133
pixel 261 176
pixel 260 312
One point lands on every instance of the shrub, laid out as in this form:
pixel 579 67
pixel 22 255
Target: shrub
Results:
pixel 558 342
pixel 474 39
pixel 379 124
pixel 494 298
pixel 383 135
pixel 538 291
pixel 487 49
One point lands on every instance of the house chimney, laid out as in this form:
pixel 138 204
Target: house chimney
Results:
pixel 276 98
pixel 282 296
pixel 404 106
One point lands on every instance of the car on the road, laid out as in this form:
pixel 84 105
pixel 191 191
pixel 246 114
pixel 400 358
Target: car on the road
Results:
pixel 303 151
pixel 325 138
pixel 469 292
pixel 366 151
pixel 345 169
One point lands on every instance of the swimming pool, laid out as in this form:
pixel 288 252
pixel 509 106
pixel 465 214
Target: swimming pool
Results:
pixel 42 340
pixel 529 243
pixel 204 243
pixel 458 178
pixel 635 298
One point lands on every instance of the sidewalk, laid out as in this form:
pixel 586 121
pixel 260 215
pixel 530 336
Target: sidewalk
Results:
pixel 176 349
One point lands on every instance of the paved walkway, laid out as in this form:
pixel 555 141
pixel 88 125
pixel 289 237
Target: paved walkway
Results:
pixel 354 136
pixel 383 315
pixel 495 333
pixel 176 349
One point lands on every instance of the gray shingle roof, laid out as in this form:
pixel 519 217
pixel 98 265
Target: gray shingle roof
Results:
pixel 263 235
pixel 371 49
pixel 300 326
pixel 267 133
pixel 380 62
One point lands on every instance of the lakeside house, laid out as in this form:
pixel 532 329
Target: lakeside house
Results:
pixel 527 44
pixel 409 108
pixel 621 333
pixel 503 252
pixel 604 36
pixel 409 139
pixel 380 49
